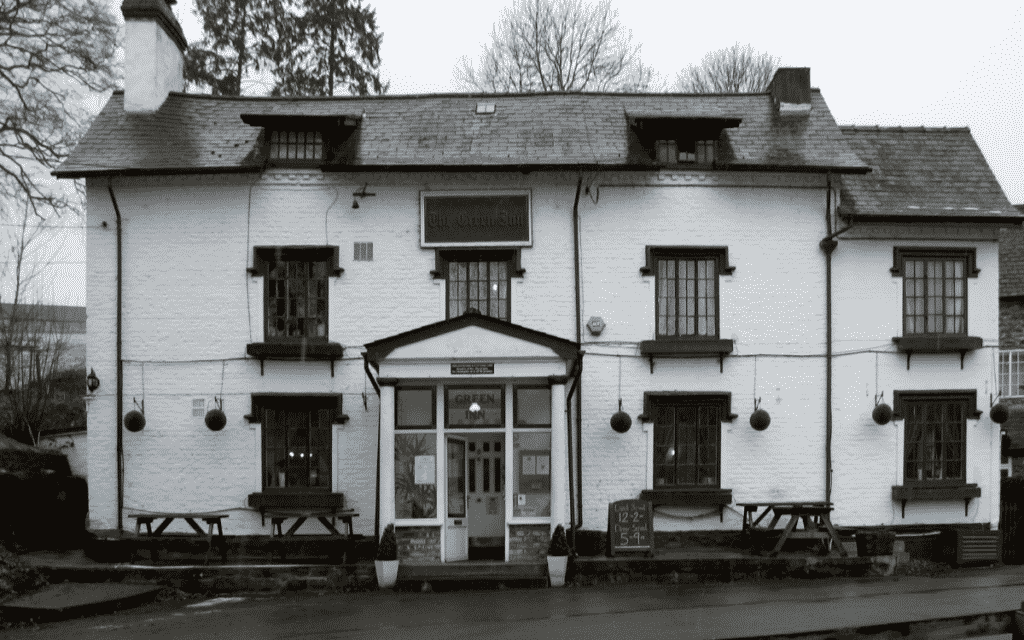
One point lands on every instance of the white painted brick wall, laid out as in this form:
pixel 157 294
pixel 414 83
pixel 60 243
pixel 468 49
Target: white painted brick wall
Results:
pixel 187 296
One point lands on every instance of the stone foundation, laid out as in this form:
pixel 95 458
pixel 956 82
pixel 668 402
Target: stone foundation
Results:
pixel 419 543
pixel 528 542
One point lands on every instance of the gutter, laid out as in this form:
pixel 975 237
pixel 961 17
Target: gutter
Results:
pixel 120 372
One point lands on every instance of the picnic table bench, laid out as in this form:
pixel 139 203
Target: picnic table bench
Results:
pixel 210 519
pixel 326 508
pixel 815 516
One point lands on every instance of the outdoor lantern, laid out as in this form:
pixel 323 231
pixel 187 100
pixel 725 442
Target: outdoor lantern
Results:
pixel 134 421
pixel 215 419
pixel 621 421
pixel 999 413
pixel 760 419
pixel 474 411
pixel 92 382
pixel 882 413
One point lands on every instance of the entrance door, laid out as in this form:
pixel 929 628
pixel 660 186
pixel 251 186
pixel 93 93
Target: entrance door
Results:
pixel 456 546
pixel 486 496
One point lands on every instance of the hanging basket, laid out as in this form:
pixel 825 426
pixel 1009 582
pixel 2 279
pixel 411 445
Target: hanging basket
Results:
pixel 134 421
pixel 999 413
pixel 215 419
pixel 621 422
pixel 760 420
pixel 882 413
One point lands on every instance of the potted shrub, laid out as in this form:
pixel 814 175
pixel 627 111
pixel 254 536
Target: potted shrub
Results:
pixel 558 557
pixel 387 558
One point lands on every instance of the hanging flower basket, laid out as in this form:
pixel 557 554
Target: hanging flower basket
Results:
pixel 215 419
pixel 760 419
pixel 621 422
pixel 134 421
pixel 882 413
pixel 999 413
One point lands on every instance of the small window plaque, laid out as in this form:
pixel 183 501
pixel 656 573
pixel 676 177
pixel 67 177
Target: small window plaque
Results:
pixel 473 368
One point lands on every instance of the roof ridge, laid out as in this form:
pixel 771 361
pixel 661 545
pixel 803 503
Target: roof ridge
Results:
pixel 920 129
pixel 420 96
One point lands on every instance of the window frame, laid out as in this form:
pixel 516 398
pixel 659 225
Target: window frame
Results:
pixel 433 408
pixel 722 401
pixel 484 386
pixel 968 256
pixel 515 406
pixel 312 405
pixel 444 257
pixel 720 255
pixel 264 256
pixel 325 146
pixel 969 398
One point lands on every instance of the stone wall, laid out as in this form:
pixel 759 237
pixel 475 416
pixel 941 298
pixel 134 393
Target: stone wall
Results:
pixel 528 541
pixel 419 543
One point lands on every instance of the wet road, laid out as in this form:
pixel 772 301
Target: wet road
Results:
pixel 630 610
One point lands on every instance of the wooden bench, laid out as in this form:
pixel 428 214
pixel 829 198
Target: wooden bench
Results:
pixel 211 519
pixel 812 514
pixel 327 508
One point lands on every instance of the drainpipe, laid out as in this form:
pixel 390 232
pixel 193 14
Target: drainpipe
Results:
pixel 828 245
pixel 578 385
pixel 120 372
pixel 376 504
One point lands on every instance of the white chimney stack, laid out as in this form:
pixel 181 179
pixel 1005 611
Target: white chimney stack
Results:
pixel 154 47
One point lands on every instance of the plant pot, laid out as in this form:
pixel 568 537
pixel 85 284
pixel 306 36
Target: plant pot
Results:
pixel 387 573
pixel 875 543
pixel 556 570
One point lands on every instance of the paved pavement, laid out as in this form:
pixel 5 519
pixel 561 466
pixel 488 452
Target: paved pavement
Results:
pixel 737 610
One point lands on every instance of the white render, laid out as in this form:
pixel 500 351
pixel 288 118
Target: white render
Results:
pixel 153 66
pixel 190 308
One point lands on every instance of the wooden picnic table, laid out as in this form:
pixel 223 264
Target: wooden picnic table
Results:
pixel 210 519
pixel 815 516
pixel 327 517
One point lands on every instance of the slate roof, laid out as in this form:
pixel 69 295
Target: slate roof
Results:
pixel 922 173
pixel 195 133
pixel 1011 264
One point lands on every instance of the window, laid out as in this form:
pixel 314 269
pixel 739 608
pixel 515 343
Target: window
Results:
pixel 935 435
pixel 363 252
pixel 478 280
pixel 934 288
pixel 415 453
pixel 297 443
pixel 687 290
pixel 687 433
pixel 478 407
pixel 414 408
pixel 531 474
pixel 1011 373
pixel 533 407
pixel 299 146
pixel 295 291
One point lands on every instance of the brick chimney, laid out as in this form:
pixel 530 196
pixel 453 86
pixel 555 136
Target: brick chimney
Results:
pixel 791 91
pixel 154 47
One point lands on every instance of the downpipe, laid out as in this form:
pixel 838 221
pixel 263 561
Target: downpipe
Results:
pixel 120 371
pixel 577 383
pixel 828 244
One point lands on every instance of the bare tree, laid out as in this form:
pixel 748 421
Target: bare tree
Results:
pixel 35 347
pixel 53 53
pixel 557 45
pixel 735 69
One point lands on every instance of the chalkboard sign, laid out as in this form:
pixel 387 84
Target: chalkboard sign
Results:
pixel 630 527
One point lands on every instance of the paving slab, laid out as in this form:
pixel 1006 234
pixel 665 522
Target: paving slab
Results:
pixel 73 600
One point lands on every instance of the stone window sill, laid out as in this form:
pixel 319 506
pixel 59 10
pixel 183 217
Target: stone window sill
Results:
pixel 937 343
pixel 686 349
pixel 320 351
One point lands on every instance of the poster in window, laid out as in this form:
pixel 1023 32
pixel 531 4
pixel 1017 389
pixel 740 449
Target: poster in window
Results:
pixel 529 465
pixel 424 470
pixel 543 465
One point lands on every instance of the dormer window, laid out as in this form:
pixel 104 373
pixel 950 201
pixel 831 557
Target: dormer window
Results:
pixel 296 145
pixel 667 141
pixel 300 141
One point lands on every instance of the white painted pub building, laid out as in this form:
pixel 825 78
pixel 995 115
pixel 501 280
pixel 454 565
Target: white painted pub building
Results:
pixel 431 308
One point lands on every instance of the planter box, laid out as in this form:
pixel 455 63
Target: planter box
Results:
pixel 875 543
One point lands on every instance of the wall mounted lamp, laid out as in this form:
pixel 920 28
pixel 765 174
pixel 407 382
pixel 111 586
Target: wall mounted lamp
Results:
pixel 362 193
pixel 92 382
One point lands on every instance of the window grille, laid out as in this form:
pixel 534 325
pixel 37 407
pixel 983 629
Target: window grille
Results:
pixel 198 407
pixel 686 440
pixel 296 145
pixel 297 299
pixel 478 284
pixel 935 440
pixel 1011 373
pixel 687 297
pixel 934 294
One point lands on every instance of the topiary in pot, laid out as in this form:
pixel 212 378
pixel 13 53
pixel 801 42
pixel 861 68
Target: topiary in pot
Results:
pixel 387 558
pixel 558 557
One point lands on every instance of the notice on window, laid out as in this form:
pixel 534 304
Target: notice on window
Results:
pixel 543 465
pixel 424 470
pixel 529 465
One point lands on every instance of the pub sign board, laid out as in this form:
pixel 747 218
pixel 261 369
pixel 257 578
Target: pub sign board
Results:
pixel 475 219
pixel 630 527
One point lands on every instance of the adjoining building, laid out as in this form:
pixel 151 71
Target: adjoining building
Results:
pixel 439 306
